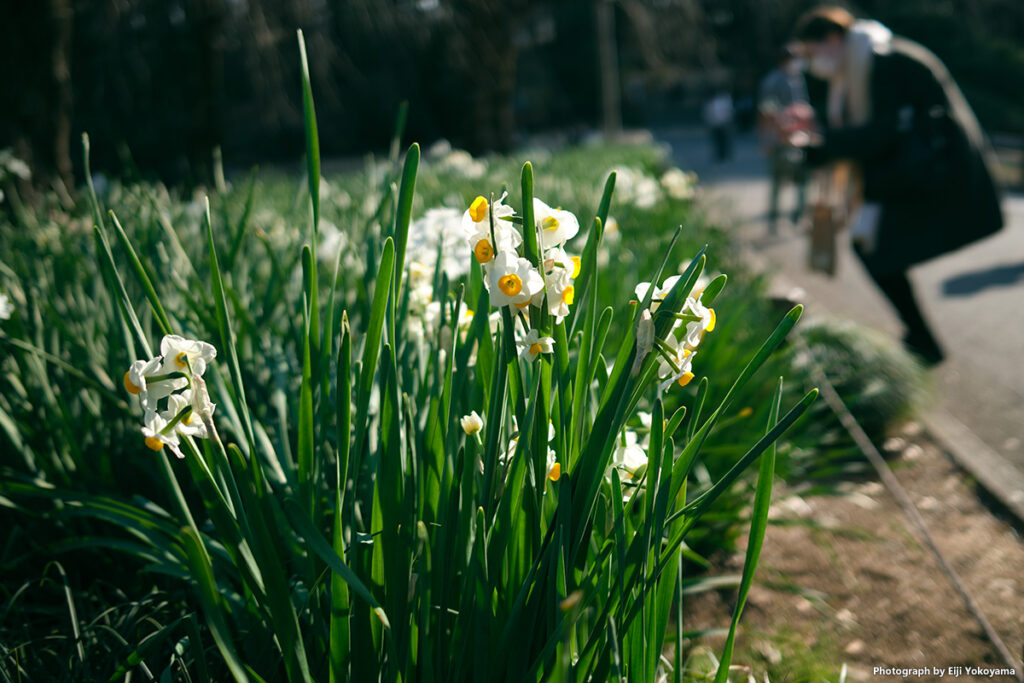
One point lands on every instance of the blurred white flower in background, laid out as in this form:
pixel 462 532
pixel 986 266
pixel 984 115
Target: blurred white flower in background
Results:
pixel 6 307
pixel 439 230
pixel 462 162
pixel 331 240
pixel 679 184
pixel 633 186
pixel 12 167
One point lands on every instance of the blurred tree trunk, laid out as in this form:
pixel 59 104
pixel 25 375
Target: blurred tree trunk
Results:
pixel 611 118
pixel 207 21
pixel 61 23
pixel 488 55
pixel 35 117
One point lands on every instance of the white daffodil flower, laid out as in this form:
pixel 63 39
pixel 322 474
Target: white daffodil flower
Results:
pixel 558 291
pixel 476 216
pixel 147 380
pixel 556 259
pixel 182 416
pixel 158 435
pixel 630 459
pixel 185 355
pixel 477 225
pixel 512 281
pixel 555 225
pixel 534 344
pixel 505 457
pixel 484 251
pixel 202 406
pixel 554 467
pixel 494 322
pixel 682 373
pixel 472 423
pixel 465 318
pixel 695 330
pixel 659 292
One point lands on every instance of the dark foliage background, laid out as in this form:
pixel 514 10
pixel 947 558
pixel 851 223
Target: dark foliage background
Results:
pixel 159 83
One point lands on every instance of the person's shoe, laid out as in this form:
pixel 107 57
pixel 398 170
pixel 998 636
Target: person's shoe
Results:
pixel 925 347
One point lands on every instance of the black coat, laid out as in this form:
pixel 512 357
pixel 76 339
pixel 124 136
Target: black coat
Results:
pixel 923 157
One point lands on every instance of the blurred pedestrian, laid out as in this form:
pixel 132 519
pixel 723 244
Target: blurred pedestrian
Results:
pixel 924 184
pixel 718 115
pixel 782 103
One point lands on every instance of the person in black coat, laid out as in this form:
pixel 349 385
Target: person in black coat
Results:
pixel 925 185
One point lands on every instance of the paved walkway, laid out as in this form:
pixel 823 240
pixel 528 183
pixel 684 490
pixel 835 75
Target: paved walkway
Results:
pixel 974 299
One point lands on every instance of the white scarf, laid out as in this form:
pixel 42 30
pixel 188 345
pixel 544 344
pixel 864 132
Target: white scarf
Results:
pixel 849 93
pixel 849 104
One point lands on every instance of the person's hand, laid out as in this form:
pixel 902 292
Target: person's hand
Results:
pixel 796 118
pixel 798 139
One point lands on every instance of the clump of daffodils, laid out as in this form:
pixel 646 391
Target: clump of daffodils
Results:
pixel 678 348
pixel 172 391
pixel 514 281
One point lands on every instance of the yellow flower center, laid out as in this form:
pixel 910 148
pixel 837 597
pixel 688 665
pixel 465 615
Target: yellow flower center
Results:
pixel 525 304
pixel 711 322
pixel 549 223
pixel 555 472
pixel 483 251
pixel 478 209
pixel 568 294
pixel 129 385
pixel 575 267
pixel 154 443
pixel 181 359
pixel 535 348
pixel 684 379
pixel 510 284
pixel 747 412
pixel 187 419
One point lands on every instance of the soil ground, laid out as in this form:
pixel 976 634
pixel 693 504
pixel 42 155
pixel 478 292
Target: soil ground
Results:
pixel 842 580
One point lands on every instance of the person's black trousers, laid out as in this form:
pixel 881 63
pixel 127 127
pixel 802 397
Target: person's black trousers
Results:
pixel 919 338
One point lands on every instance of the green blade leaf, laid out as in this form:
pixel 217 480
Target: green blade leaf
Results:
pixel 403 215
pixel 758 524
pixel 312 137
pixel 212 603
pixel 318 544
pixel 140 272
pixel 227 337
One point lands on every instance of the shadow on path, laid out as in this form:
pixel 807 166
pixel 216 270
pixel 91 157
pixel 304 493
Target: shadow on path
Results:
pixel 975 281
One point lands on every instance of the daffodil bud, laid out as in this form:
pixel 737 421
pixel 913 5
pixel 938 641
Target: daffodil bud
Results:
pixel 471 424
pixel 644 339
